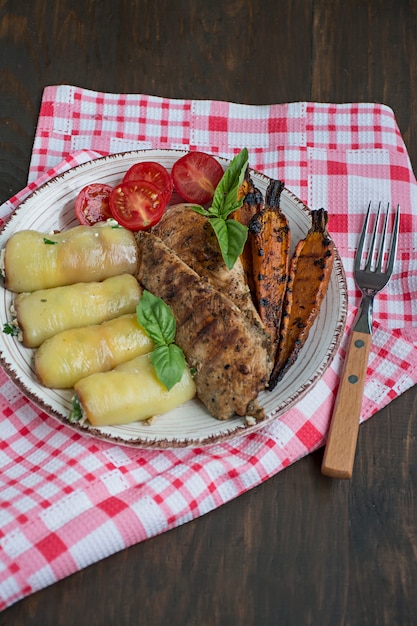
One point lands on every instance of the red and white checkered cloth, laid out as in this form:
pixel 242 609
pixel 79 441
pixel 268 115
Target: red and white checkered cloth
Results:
pixel 67 500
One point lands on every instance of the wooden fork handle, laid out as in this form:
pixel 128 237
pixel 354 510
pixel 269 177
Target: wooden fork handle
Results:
pixel 339 454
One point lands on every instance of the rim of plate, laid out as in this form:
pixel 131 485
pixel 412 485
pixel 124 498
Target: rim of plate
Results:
pixel 206 430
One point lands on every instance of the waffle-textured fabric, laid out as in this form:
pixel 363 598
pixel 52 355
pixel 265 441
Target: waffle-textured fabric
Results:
pixel 66 500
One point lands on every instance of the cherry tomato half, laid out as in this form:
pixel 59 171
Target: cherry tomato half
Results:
pixel 92 204
pixel 136 205
pixel 154 173
pixel 196 176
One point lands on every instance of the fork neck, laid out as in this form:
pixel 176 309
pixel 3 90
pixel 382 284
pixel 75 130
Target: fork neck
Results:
pixel 363 323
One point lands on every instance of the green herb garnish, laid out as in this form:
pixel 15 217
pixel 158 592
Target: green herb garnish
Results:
pixel 157 319
pixel 49 241
pixel 11 329
pixel 230 233
pixel 76 414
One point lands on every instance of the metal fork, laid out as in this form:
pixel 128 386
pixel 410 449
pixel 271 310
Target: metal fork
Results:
pixel 379 261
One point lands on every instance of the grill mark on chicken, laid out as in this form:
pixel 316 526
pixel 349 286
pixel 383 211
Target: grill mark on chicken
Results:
pixel 230 355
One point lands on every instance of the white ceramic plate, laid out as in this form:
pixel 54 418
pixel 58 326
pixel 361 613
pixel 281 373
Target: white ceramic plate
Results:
pixel 51 208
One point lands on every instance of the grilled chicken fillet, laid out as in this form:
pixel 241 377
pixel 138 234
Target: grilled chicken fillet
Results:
pixel 230 355
pixel 191 236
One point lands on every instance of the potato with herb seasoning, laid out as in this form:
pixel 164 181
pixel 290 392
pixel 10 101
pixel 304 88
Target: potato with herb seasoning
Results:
pixel 130 392
pixel 46 312
pixel 33 260
pixel 76 353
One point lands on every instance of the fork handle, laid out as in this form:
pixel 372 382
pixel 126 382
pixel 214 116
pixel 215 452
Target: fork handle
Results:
pixel 339 454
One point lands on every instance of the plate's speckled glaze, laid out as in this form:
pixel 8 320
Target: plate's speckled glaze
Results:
pixel 51 207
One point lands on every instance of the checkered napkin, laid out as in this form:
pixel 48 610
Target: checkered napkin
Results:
pixel 67 500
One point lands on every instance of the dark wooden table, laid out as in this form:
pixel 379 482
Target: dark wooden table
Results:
pixel 301 549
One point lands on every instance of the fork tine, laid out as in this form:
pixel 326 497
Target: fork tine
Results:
pixel 359 251
pixel 394 242
pixel 382 242
pixel 372 244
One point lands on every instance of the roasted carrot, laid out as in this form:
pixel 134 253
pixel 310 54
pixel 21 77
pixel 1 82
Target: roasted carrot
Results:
pixel 309 275
pixel 269 235
pixel 253 202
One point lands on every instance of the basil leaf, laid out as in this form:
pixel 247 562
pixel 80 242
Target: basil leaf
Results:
pixel 169 364
pixel 156 318
pixel 226 191
pixel 158 321
pixel 232 208
pixel 199 209
pixel 49 241
pixel 231 236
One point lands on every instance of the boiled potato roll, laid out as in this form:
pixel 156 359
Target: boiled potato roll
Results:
pixel 76 353
pixel 46 312
pixel 131 392
pixel 33 260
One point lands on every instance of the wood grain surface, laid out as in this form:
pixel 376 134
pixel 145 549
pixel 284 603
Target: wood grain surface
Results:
pixel 301 549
